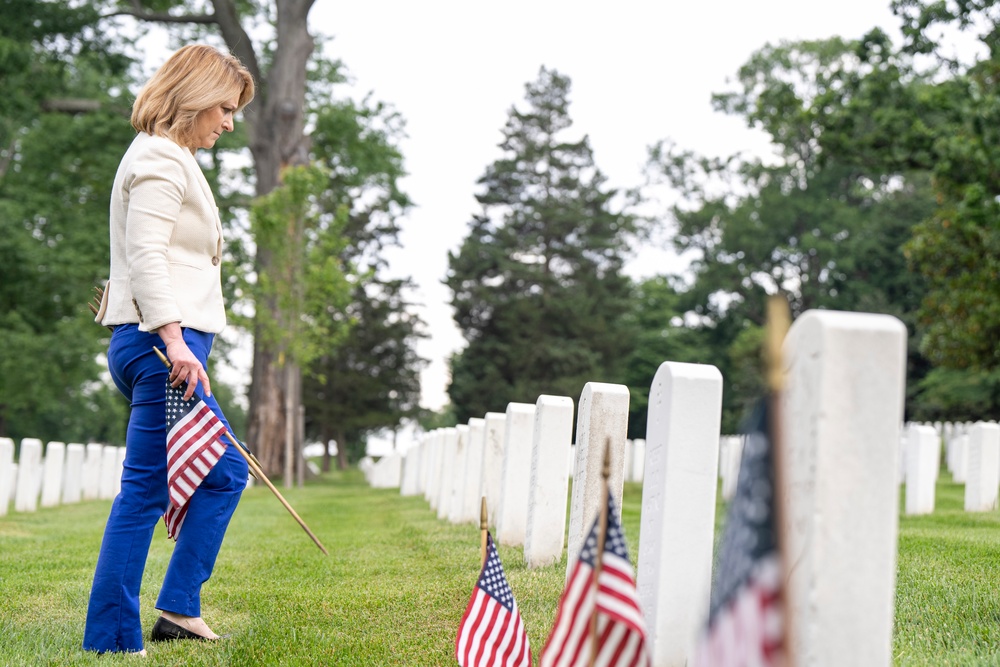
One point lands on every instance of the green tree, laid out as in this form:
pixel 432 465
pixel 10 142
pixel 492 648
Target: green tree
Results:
pixel 932 128
pixel 60 117
pixel 942 119
pixel 371 380
pixel 657 319
pixel 815 224
pixel 537 284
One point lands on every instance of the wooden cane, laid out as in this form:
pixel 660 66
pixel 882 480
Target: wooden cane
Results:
pixel 258 473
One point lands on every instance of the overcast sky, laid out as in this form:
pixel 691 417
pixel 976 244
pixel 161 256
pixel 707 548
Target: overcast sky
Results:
pixel 641 71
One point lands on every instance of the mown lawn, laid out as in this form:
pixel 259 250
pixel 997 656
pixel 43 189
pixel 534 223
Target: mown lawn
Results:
pixel 397 580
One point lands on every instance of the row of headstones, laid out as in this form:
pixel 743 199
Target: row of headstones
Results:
pixel 841 417
pixel 971 449
pixel 517 461
pixel 61 474
pixel 964 444
pixel 387 471
pixel 972 456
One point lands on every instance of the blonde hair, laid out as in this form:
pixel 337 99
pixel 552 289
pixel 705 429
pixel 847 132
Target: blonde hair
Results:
pixel 194 79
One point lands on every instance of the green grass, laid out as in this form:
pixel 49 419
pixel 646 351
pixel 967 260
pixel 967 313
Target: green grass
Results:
pixel 948 584
pixel 397 580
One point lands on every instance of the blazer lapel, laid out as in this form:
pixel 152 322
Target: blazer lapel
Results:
pixel 210 197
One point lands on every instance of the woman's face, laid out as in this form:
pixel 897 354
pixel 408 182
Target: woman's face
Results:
pixel 211 123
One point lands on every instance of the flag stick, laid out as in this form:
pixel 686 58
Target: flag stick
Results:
pixel 602 529
pixel 483 529
pixel 777 324
pixel 258 473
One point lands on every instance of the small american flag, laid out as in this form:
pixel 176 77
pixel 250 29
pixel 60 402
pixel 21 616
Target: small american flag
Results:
pixel 193 449
pixel 491 633
pixel 621 629
pixel 746 622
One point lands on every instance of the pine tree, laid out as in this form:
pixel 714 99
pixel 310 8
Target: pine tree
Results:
pixel 538 289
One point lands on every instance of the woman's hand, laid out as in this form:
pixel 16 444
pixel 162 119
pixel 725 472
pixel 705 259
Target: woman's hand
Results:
pixel 185 367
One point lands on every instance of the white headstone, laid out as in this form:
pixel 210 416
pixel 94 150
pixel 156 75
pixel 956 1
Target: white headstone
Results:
pixel 385 472
pixel 109 471
pixel 472 490
pixel 939 448
pixel 120 468
pixel 921 468
pixel 422 461
pixel 6 474
pixel 628 460
pixel 674 577
pixel 29 470
pixel 372 473
pixel 602 419
pixel 512 515
pixel 949 449
pixel 456 501
pixel 426 463
pixel 92 471
pixel 52 474
pixel 982 468
pixel 842 413
pixel 365 465
pixel 73 477
pixel 426 469
pixel 548 481
pixel 12 483
pixel 637 462
pixel 492 473
pixel 961 456
pixel 449 452
pixel 433 492
pixel 730 456
pixel 408 485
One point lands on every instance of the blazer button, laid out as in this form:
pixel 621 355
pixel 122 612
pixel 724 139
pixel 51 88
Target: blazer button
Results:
pixel 215 261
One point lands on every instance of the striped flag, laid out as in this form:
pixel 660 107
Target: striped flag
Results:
pixel 746 623
pixel 193 449
pixel 491 633
pixel 621 629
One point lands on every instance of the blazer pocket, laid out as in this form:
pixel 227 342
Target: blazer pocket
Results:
pixel 186 265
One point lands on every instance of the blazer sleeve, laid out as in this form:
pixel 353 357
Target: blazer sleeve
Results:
pixel 155 188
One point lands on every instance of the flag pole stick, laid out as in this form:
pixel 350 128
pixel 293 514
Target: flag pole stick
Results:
pixel 602 529
pixel 483 529
pixel 258 473
pixel 777 325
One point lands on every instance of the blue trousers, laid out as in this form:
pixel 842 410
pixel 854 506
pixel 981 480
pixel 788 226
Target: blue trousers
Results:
pixel 113 613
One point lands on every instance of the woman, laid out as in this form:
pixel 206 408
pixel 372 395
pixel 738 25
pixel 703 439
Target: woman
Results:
pixel 165 290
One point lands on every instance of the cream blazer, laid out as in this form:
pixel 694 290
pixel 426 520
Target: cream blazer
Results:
pixel 166 241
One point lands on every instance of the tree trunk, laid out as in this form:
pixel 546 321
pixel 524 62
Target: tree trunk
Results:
pixel 275 125
pixel 290 423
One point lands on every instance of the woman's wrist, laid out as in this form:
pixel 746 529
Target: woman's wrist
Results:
pixel 170 333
